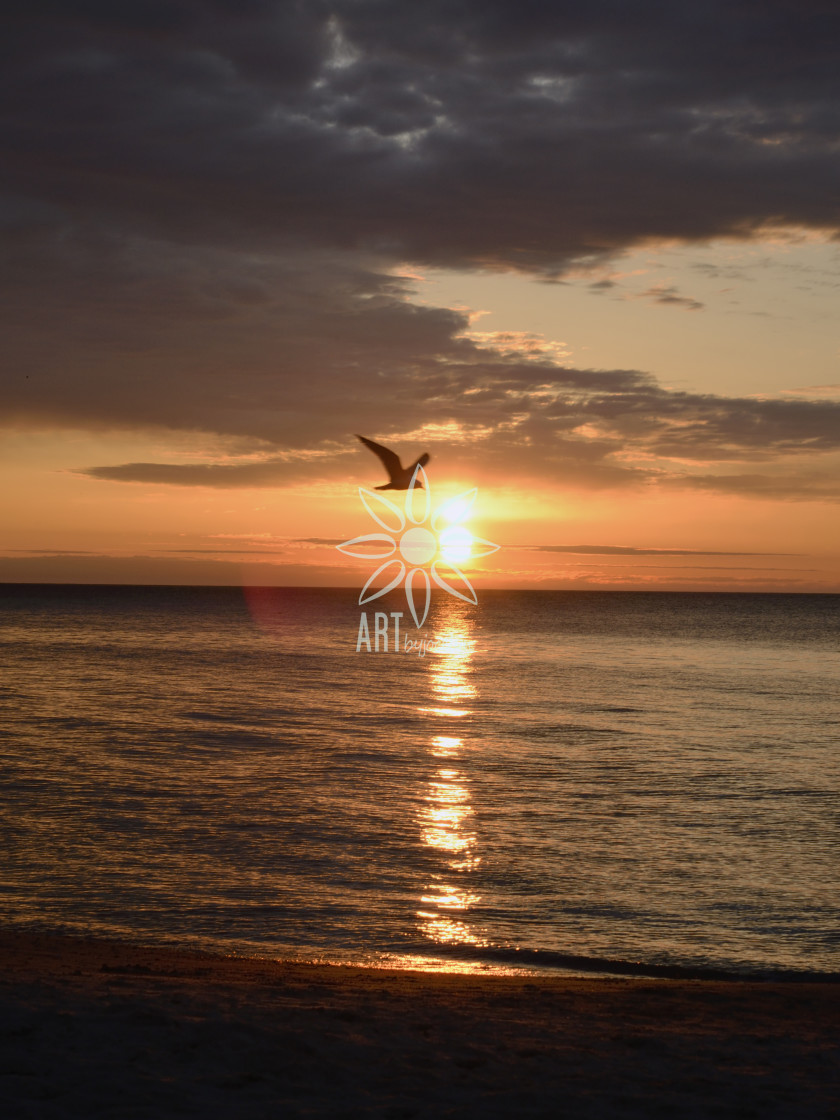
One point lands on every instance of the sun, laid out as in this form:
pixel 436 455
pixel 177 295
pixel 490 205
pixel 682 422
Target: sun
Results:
pixel 417 548
pixel 456 544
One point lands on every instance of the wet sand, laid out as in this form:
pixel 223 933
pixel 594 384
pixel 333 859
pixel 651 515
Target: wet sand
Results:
pixel 105 1029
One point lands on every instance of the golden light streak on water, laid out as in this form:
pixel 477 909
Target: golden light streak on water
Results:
pixel 455 713
pixel 452 686
pixel 446 815
pixel 444 746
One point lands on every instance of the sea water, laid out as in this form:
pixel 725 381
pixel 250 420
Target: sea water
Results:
pixel 604 780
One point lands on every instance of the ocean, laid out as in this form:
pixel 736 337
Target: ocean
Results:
pixel 623 782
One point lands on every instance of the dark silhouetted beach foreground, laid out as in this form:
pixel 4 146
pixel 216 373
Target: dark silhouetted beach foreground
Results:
pixel 104 1029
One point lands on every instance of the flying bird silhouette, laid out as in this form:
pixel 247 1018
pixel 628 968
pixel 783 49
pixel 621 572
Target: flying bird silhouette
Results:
pixel 399 477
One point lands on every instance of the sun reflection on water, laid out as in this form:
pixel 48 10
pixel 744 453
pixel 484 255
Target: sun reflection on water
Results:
pixel 446 815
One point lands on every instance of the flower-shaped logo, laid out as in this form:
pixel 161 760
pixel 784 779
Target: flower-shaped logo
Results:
pixel 437 542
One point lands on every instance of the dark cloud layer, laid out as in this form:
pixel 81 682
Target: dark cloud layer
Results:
pixel 539 423
pixel 472 132
pixel 207 203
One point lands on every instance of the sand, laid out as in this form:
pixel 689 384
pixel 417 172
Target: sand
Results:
pixel 104 1029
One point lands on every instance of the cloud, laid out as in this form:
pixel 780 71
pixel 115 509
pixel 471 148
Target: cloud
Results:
pixel 625 550
pixel 284 543
pixel 469 405
pixel 670 297
pixel 813 391
pixel 209 571
pixel 272 472
pixel 209 208
pixel 504 421
pixel 793 486
pixel 522 135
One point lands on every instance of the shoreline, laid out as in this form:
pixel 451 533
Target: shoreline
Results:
pixel 109 1028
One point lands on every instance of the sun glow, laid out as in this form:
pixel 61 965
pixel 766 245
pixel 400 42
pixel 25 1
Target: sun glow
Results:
pixel 456 544
pixel 414 539
pixel 455 509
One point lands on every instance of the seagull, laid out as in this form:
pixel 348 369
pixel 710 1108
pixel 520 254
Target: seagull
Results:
pixel 399 477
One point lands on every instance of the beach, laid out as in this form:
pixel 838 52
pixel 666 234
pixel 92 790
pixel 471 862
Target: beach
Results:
pixel 106 1029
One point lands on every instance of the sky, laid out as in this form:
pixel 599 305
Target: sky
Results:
pixel 585 256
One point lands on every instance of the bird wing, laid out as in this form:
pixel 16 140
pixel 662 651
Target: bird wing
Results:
pixel 421 462
pixel 389 458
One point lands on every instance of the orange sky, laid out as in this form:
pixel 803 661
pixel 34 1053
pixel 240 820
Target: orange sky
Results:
pixel 60 526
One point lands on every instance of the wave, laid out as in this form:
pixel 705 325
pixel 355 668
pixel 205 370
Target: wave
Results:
pixel 548 960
